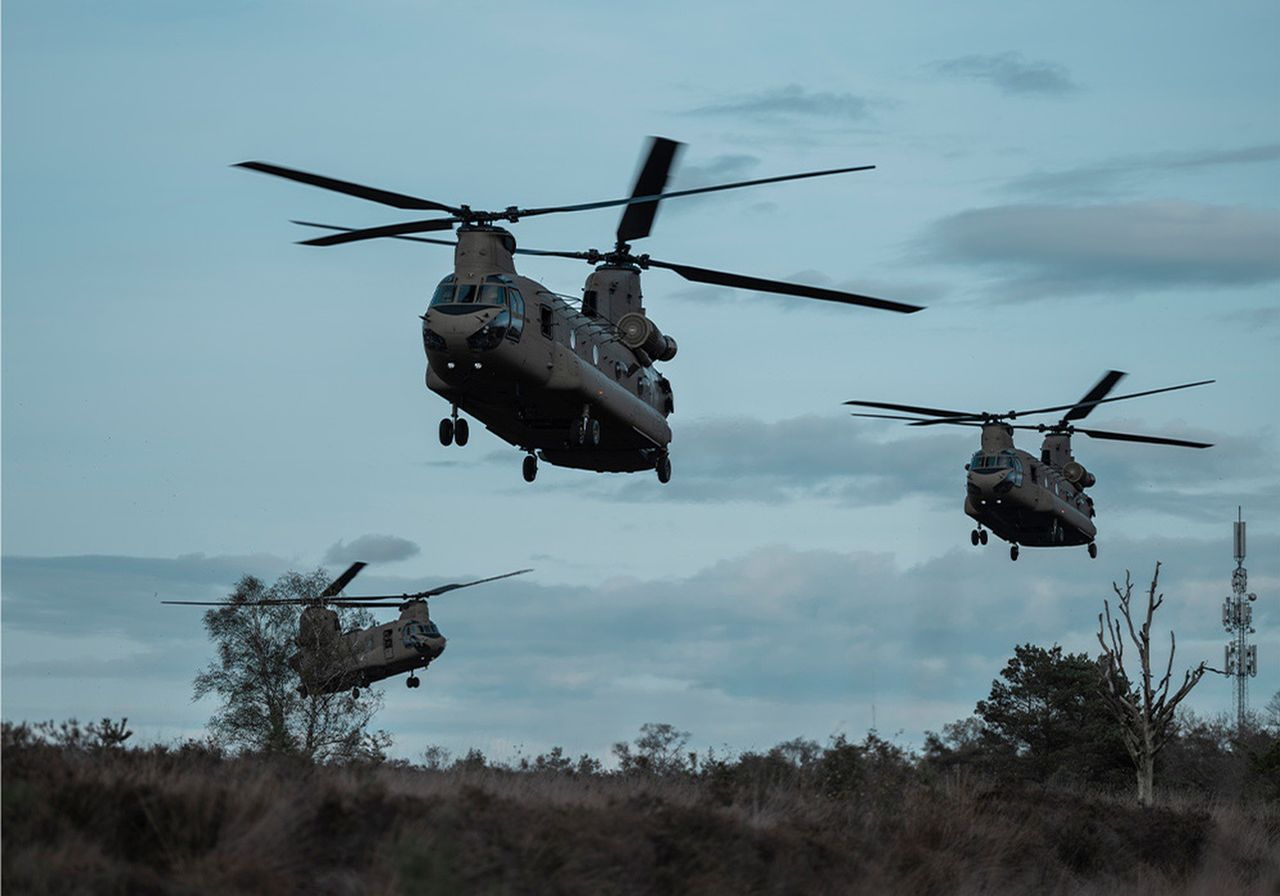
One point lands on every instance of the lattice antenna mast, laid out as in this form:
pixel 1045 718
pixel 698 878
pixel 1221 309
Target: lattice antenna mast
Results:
pixel 1237 619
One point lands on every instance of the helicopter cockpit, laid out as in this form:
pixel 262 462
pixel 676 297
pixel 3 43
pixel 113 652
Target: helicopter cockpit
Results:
pixel 421 635
pixel 998 463
pixel 497 291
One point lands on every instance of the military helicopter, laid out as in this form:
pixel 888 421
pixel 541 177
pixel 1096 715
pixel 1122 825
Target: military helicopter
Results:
pixel 1024 499
pixel 329 661
pixel 569 381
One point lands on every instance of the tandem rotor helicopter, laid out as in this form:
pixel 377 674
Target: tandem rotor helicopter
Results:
pixel 1037 501
pixel 329 661
pixel 570 382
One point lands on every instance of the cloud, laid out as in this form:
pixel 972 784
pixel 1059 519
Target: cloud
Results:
pixel 1053 250
pixel 1010 72
pixel 792 101
pixel 1105 177
pixel 750 650
pixel 372 549
pixel 742 459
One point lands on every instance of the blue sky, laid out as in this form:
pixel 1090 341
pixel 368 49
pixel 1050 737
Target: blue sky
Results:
pixel 188 396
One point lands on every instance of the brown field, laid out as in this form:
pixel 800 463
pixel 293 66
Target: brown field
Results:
pixel 100 819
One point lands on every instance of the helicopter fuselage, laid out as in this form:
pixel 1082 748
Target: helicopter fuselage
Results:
pixel 1024 499
pixel 329 661
pixel 541 373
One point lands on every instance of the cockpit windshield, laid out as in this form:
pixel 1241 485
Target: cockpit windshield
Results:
pixel 450 292
pixel 997 463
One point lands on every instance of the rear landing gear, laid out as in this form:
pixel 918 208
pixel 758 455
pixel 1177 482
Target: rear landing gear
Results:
pixel 1093 550
pixel 412 681
pixel 530 468
pixel 1013 552
pixel 355 693
pixel 978 536
pixel 584 430
pixel 663 466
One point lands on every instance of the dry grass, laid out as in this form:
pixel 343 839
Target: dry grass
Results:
pixel 78 820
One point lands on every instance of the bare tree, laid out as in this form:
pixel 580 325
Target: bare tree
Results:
pixel 263 707
pixel 1145 713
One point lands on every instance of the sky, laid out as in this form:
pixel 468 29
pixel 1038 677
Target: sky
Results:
pixel 187 396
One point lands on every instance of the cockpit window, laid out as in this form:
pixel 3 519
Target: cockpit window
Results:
pixel 994 463
pixel 492 295
pixel 444 292
pixel 417 633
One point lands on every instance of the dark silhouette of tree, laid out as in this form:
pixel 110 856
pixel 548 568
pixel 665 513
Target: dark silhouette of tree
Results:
pixel 1145 712
pixel 262 707
pixel 1045 718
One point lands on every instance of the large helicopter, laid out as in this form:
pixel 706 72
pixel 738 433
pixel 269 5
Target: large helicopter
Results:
pixel 569 381
pixel 1027 500
pixel 329 660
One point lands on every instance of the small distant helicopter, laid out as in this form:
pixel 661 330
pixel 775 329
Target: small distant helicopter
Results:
pixel 329 661
pixel 569 381
pixel 1024 499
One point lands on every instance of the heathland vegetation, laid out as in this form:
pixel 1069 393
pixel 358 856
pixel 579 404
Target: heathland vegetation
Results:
pixel 1033 793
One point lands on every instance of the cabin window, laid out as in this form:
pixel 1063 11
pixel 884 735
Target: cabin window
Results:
pixel 595 355
pixel 573 339
pixel 544 319
pixel 388 638
pixel 516 301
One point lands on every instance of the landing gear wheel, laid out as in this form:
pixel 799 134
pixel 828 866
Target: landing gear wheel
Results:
pixel 577 432
pixel 1013 552
pixel 461 432
pixel 355 693
pixel 982 535
pixel 530 468
pixel 412 681
pixel 446 432
pixel 593 432
pixel 663 466
pixel 1093 550
pixel 974 537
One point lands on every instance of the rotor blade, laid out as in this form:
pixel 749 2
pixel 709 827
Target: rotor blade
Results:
pixel 370 233
pixel 1091 398
pixel 343 580
pixel 373 194
pixel 441 589
pixel 353 604
pixel 1152 440
pixel 722 278
pixel 909 408
pixel 242 603
pixel 884 416
pixel 586 206
pixel 1091 404
pixel 412 239
pixel 637 218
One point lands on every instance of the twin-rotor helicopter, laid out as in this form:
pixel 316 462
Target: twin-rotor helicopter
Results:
pixel 1027 500
pixel 329 660
pixel 572 382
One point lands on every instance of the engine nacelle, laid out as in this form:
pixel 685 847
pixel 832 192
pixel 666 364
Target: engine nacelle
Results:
pixel 639 333
pixel 1078 475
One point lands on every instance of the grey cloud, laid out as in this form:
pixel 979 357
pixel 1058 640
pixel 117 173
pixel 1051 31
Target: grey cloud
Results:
pixel 792 101
pixel 1010 72
pixel 1105 177
pixel 372 549
pixel 794 641
pixel 103 593
pixel 1053 250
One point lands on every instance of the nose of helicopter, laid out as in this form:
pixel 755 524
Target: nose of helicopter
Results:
pixel 990 484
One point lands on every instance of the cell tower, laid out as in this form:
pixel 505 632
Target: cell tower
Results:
pixel 1237 619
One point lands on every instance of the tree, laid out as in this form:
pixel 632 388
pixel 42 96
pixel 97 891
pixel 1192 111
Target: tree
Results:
pixel 659 750
pixel 1145 713
pixel 1044 718
pixel 262 708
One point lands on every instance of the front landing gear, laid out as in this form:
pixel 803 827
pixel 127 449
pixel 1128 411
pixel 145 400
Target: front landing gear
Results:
pixel 530 468
pixel 412 681
pixel 454 429
pixel 663 466
pixel 1013 552
pixel 978 536
pixel 1093 551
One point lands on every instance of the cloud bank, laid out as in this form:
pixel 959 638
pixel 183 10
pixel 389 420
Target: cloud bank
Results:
pixel 372 549
pixel 1011 73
